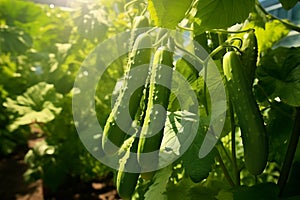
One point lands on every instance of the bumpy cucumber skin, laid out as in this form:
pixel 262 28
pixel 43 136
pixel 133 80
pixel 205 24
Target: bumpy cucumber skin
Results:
pixel 140 22
pixel 249 56
pixel 254 136
pixel 127 181
pixel 112 132
pixel 150 141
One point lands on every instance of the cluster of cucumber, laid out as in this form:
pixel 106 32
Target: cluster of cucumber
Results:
pixel 137 131
pixel 144 117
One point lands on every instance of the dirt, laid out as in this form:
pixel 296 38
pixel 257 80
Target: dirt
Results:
pixel 13 186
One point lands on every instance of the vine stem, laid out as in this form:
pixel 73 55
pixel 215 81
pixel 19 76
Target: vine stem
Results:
pixel 225 171
pixel 290 153
pixel 233 147
pixel 287 24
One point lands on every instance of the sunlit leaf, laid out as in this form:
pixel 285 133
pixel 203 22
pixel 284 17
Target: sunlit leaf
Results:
pixel 158 188
pixel 167 13
pixel 40 103
pixel 273 32
pixel 214 14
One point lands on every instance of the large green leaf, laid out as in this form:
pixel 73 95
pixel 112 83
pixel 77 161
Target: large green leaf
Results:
pixel 14 40
pixel 13 11
pixel 39 103
pixel 273 32
pixel 168 13
pixel 214 14
pixel 158 188
pixel 279 75
pixel 279 127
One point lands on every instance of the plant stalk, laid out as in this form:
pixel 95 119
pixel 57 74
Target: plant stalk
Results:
pixel 290 153
pixel 225 171
pixel 233 147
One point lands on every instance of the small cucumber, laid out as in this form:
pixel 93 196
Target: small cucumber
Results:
pixel 151 136
pixel 113 132
pixel 254 136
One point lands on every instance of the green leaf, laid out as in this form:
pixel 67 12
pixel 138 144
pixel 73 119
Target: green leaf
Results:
pixel 273 32
pixel 39 103
pixel 158 188
pixel 167 13
pixel 224 195
pixel 19 11
pixel 267 33
pixel 288 4
pixel 198 169
pixel 279 75
pixel 186 189
pixel 14 40
pixel 214 14
pixel 91 22
pixel 279 127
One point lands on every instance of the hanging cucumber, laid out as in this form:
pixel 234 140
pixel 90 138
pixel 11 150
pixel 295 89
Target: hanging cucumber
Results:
pixel 249 55
pixel 138 22
pixel 126 181
pixel 254 136
pixel 153 127
pixel 118 122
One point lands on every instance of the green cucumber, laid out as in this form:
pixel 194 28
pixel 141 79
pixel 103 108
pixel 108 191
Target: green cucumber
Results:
pixel 127 181
pixel 151 137
pixel 254 136
pixel 138 22
pixel 249 56
pixel 112 131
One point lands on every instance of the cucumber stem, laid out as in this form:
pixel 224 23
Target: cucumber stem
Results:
pixel 233 148
pixel 225 171
pixel 290 153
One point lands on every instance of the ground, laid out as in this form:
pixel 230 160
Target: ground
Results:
pixel 13 187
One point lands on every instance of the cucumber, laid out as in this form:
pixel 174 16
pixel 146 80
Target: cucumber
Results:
pixel 112 131
pixel 254 136
pixel 249 56
pixel 151 137
pixel 138 22
pixel 127 181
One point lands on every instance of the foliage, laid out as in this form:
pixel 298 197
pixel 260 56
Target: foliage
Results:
pixel 42 49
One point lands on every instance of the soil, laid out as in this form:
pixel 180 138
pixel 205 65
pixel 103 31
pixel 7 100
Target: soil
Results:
pixel 13 186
